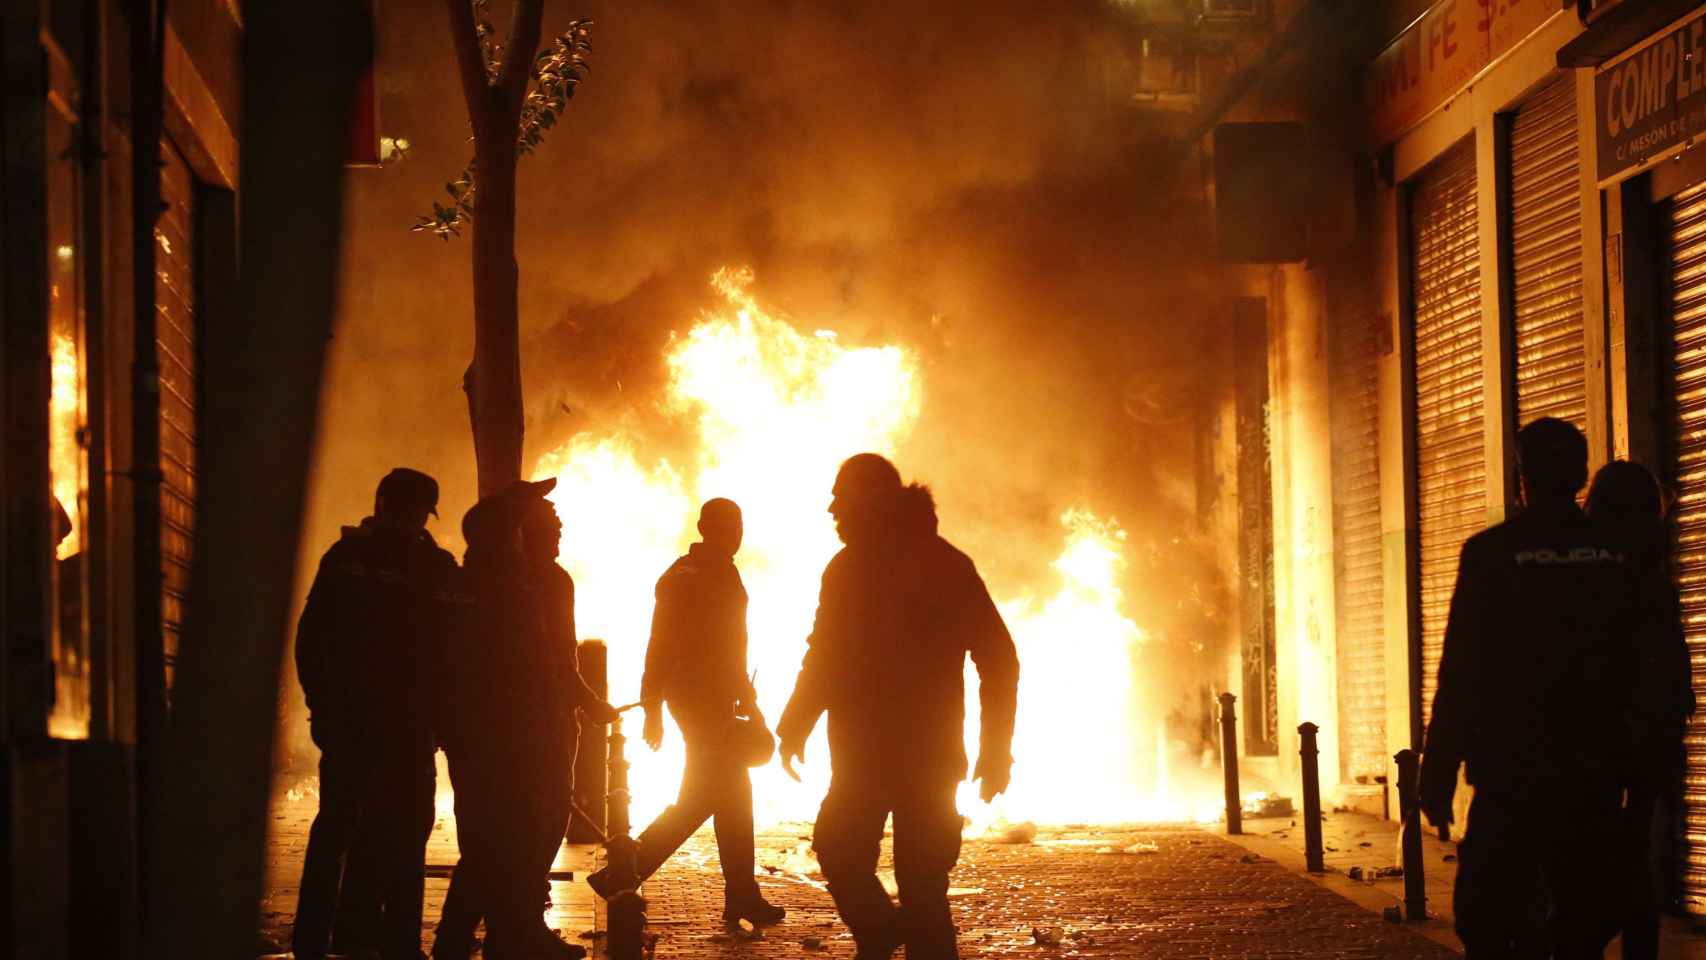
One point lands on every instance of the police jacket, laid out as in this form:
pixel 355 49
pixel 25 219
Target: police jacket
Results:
pixel 696 658
pixel 1536 678
pixel 896 619
pixel 372 629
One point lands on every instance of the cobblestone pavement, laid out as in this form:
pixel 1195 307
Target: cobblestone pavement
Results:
pixel 292 814
pixel 1368 843
pixel 1159 892
pixel 1162 892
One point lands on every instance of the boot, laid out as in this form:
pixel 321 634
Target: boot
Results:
pixel 752 908
pixel 599 881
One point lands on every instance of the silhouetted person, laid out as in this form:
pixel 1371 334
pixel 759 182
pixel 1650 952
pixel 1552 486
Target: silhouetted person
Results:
pixel 1533 687
pixel 696 663
pixel 899 611
pixel 514 688
pixel 367 637
pixel 1626 502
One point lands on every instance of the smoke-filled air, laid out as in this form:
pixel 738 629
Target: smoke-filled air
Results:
pixel 767 236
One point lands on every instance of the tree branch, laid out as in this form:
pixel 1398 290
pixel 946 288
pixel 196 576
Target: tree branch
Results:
pixel 465 35
pixel 525 26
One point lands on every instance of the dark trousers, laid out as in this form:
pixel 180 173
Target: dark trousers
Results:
pixel 1646 839
pixel 367 844
pixel 847 837
pixel 509 826
pixel 715 786
pixel 1538 873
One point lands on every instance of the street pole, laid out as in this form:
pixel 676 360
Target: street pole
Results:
pixel 1229 765
pixel 627 911
pixel 1409 807
pixel 1313 856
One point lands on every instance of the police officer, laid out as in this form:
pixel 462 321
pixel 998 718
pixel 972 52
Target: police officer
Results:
pixel 696 662
pixel 363 646
pixel 1534 686
pixel 899 610
pixel 1626 502
pixel 514 690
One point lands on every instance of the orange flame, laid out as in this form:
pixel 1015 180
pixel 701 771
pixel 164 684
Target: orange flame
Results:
pixel 65 414
pixel 776 411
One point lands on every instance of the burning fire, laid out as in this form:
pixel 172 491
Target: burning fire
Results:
pixel 775 412
pixel 65 462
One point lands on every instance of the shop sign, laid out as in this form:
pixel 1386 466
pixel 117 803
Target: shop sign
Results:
pixel 1653 98
pixel 1440 54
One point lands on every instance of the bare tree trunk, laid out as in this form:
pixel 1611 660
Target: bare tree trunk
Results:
pixel 493 380
pixel 495 397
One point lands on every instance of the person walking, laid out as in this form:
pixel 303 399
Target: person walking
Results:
pixel 1625 501
pixel 364 646
pixel 514 690
pixel 696 664
pixel 1534 683
pixel 899 610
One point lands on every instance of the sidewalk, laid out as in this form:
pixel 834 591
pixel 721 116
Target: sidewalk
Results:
pixel 1358 840
pixel 1164 892
pixel 1170 893
pixel 572 901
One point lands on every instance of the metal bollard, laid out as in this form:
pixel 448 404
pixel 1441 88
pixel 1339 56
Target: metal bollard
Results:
pixel 1314 859
pixel 1410 808
pixel 1229 764
pixel 591 758
pixel 627 911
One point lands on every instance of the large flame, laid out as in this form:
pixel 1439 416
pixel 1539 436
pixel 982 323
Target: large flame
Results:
pixel 775 412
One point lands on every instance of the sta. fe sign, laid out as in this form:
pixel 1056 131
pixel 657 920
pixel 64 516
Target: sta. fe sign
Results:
pixel 1652 98
pixel 1440 54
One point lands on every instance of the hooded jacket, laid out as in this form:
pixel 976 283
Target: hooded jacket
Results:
pixel 514 677
pixel 897 615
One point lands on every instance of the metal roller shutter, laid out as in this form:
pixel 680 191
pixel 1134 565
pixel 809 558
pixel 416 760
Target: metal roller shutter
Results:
pixel 1359 599
pixel 174 297
pixel 1546 258
pixel 1687 239
pixel 1451 481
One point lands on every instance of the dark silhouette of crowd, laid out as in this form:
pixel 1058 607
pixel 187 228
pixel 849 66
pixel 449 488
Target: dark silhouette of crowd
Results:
pixel 402 651
pixel 1564 688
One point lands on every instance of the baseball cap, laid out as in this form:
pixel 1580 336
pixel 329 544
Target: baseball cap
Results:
pixel 412 487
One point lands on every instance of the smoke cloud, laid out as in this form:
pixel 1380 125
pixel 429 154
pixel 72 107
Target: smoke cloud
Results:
pixel 966 179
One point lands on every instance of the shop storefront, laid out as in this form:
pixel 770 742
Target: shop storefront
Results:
pixel 1649 110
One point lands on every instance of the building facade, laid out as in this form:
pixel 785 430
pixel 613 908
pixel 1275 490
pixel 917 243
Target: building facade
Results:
pixel 1503 218
pixel 107 301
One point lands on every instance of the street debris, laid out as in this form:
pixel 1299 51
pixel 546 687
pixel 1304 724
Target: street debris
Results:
pixel 1388 873
pixel 1140 847
pixel 802 861
pixel 812 943
pixel 1393 915
pixel 1355 873
pixel 1046 936
pixel 1003 832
